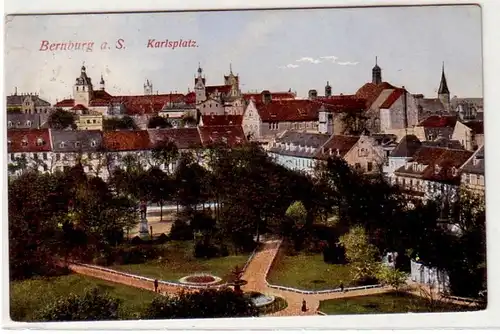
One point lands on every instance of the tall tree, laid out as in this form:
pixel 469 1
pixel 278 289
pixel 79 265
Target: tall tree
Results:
pixel 61 119
pixel 166 153
pixel 158 122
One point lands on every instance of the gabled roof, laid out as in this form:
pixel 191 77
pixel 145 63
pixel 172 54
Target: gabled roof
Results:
pixel 76 141
pixel 221 120
pixel 371 91
pixel 79 107
pixel 288 111
pixel 126 140
pixel 20 121
pixel 17 100
pixel 231 135
pixel 28 140
pixel 475 164
pixel 183 138
pixel 476 126
pixel 439 164
pixel 392 98
pixel 65 103
pixel 340 143
pixel 342 103
pixel 304 144
pixel 407 147
pixel 439 122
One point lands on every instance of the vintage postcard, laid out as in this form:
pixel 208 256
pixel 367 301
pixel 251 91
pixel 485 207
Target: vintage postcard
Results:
pixel 253 163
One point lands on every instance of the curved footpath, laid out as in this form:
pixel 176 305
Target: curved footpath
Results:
pixel 255 274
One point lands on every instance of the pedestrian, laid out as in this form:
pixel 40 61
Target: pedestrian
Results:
pixel 341 287
pixel 156 285
pixel 304 306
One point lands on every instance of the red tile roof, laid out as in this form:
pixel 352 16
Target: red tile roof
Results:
pixel 190 98
pixel 337 142
pixel 222 120
pixel 274 96
pixel 342 103
pixel 184 138
pixel 371 91
pixel 231 135
pixel 221 89
pixel 28 140
pixel 79 107
pixel 65 103
pixel 439 121
pixel 439 162
pixel 392 98
pixel 288 111
pixel 101 94
pixel 99 103
pixel 126 140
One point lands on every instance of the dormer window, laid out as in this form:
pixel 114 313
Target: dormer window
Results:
pixel 93 143
pixel 77 144
pixel 62 145
pixel 9 124
pixel 9 142
pixel 28 123
pixel 24 142
pixel 39 142
pixel 454 171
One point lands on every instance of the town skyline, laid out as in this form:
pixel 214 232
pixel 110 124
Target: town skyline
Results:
pixel 276 55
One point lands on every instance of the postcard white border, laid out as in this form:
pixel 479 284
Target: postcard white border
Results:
pixel 477 320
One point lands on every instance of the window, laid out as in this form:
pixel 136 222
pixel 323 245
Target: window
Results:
pixel 362 152
pixel 62 145
pixel 58 156
pixel 473 179
pixel 454 171
pixel 24 142
pixel 357 165
pixel 35 156
pixel 77 144
pixel 12 156
pixel 88 121
pixel 370 166
pixel 9 123
pixel 44 155
pixel 77 89
pixel 437 169
pixel 39 142
pixel 94 121
pixel 28 123
pixel 481 180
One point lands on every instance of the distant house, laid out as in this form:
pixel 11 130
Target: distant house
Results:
pixel 231 135
pixel 221 120
pixel 398 111
pixel 28 104
pixel 361 152
pixel 175 112
pixel 473 172
pixel 185 139
pixel 470 134
pixel 401 154
pixel 72 147
pixel 431 172
pixel 28 148
pixel 297 150
pixel 211 106
pixel 87 119
pixel 27 121
pixel 263 120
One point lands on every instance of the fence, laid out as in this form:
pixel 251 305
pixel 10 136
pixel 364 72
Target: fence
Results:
pixel 310 292
pixel 431 277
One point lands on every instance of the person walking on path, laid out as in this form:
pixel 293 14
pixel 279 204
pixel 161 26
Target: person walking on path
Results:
pixel 156 285
pixel 304 306
pixel 341 287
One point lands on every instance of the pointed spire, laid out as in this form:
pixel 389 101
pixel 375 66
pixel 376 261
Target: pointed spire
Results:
pixel 376 60
pixel 443 85
pixel 102 80
pixel 230 68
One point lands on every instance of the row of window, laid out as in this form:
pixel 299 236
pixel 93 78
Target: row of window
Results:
pixel 473 179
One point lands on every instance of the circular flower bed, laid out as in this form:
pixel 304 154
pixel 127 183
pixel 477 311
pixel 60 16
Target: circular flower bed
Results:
pixel 260 299
pixel 200 279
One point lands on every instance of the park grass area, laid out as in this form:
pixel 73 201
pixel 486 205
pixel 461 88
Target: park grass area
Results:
pixel 390 302
pixel 308 272
pixel 29 296
pixel 178 261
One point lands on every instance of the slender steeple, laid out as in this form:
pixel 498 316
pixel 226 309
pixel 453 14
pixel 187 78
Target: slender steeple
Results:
pixel 376 73
pixel 230 68
pixel 443 86
pixel 101 83
pixel 444 92
pixel 328 89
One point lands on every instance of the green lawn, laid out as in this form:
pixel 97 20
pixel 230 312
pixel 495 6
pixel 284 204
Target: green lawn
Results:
pixel 28 296
pixel 178 261
pixel 384 303
pixel 308 272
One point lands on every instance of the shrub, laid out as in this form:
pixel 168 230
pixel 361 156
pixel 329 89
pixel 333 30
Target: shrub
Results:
pixel 137 240
pixel 163 238
pixel 202 250
pixel 181 231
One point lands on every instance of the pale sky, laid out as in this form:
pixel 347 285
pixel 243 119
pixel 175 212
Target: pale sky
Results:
pixel 275 50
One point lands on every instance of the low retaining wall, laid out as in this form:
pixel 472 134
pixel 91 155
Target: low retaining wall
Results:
pixel 311 292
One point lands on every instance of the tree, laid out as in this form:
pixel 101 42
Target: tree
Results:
pixel 354 123
pixel 392 277
pixel 188 121
pixel 91 306
pixel 206 303
pixel 158 122
pixel 166 153
pixel 123 123
pixel 61 119
pixel 361 255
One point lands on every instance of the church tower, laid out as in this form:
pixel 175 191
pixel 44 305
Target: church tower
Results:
pixel 199 86
pixel 101 83
pixel 233 81
pixel 82 90
pixel 443 91
pixel 328 90
pixel 376 73
pixel 148 87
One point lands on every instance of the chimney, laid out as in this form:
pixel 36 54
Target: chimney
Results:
pixel 313 93
pixel 331 151
pixel 266 96
pixel 15 90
